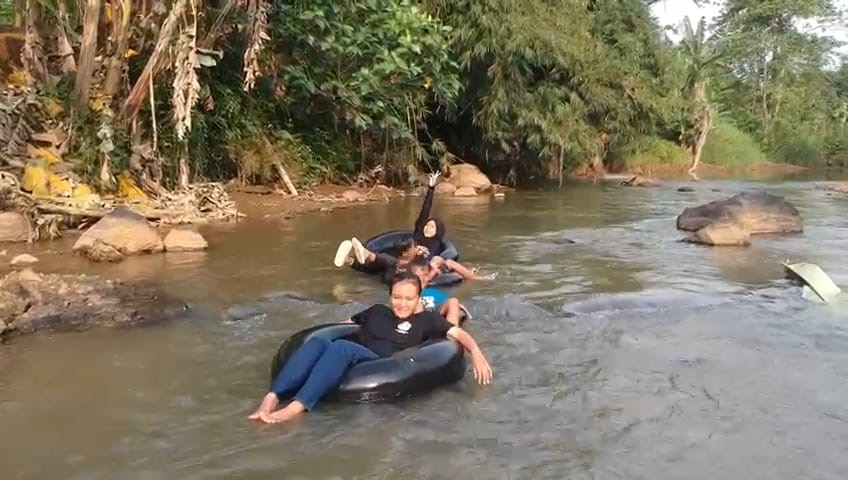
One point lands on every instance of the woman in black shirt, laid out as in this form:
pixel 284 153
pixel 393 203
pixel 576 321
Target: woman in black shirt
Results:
pixel 319 365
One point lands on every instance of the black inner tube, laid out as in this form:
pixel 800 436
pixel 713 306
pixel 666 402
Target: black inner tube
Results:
pixel 408 372
pixel 385 243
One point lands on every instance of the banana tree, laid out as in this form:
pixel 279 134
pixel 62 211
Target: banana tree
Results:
pixel 699 54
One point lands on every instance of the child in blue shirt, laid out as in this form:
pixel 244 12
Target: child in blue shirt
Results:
pixel 435 299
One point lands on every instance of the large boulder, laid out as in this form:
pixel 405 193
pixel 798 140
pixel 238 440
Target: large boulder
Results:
pixel 184 238
pixel 721 234
pixel 465 192
pixel 124 230
pixel 754 212
pixel 467 175
pixel 445 187
pixel 14 227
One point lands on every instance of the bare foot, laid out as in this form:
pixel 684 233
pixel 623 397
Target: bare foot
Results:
pixel 291 410
pixel 269 403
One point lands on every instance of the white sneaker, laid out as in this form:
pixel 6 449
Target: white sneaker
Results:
pixel 359 250
pixel 342 253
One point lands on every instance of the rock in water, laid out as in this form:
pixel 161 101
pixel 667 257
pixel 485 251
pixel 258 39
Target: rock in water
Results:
pixel 753 212
pixel 465 192
pixel 184 238
pixel 640 181
pixel 721 234
pixel 23 259
pixel 125 231
pixel 467 175
pixel 14 227
pixel 103 252
pixel 445 187
pixel 30 302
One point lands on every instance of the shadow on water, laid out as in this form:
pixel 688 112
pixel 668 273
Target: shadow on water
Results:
pixel 618 351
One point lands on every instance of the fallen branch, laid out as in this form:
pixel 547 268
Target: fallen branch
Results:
pixel 285 176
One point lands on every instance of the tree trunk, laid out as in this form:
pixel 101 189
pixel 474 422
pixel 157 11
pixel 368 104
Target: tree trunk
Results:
pixel 698 148
pixel 561 166
pixel 183 171
pixel 597 167
pixel 702 122
pixel 20 7
pixel 285 176
pixel 32 54
pixel 139 90
pixel 66 51
pixel 120 31
pixel 88 51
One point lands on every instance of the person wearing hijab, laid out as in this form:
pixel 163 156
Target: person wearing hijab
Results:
pixel 427 242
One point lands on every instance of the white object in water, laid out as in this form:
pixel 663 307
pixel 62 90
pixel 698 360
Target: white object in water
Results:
pixel 815 280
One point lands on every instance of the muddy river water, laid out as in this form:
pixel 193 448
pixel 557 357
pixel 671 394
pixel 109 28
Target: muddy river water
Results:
pixel 624 355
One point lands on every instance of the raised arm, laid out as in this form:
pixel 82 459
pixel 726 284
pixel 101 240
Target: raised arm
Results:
pixel 427 205
pixel 482 370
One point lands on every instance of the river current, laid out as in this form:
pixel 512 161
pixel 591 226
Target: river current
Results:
pixel 619 352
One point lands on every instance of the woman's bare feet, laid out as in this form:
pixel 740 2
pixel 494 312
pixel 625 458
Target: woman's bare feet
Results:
pixel 269 403
pixel 291 410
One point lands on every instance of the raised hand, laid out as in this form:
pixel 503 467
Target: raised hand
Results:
pixel 433 178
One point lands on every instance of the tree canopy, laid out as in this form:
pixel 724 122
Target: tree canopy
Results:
pixel 181 90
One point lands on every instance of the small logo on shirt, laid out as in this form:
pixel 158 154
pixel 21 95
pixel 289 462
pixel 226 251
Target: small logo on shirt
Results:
pixel 403 328
pixel 429 303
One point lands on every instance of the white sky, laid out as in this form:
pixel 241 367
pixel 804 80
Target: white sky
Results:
pixel 672 12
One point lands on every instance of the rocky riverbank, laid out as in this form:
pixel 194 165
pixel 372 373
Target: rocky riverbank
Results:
pixel 31 302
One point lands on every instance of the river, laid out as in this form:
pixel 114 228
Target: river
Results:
pixel 623 355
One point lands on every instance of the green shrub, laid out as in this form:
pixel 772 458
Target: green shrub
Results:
pixel 729 146
pixel 649 153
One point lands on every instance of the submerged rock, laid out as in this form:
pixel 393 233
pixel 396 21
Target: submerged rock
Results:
pixel 103 252
pixel 184 238
pixel 754 212
pixel 23 259
pixel 465 192
pixel 30 302
pixel 445 188
pixel 640 181
pixel 721 234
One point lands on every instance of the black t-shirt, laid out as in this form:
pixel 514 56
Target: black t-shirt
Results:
pixel 384 335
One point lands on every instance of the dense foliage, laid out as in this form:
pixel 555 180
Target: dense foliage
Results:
pixel 179 90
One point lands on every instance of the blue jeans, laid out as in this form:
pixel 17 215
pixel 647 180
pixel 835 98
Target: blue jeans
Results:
pixel 317 367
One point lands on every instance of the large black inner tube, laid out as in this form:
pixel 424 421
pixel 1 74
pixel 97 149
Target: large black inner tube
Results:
pixel 385 243
pixel 408 372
